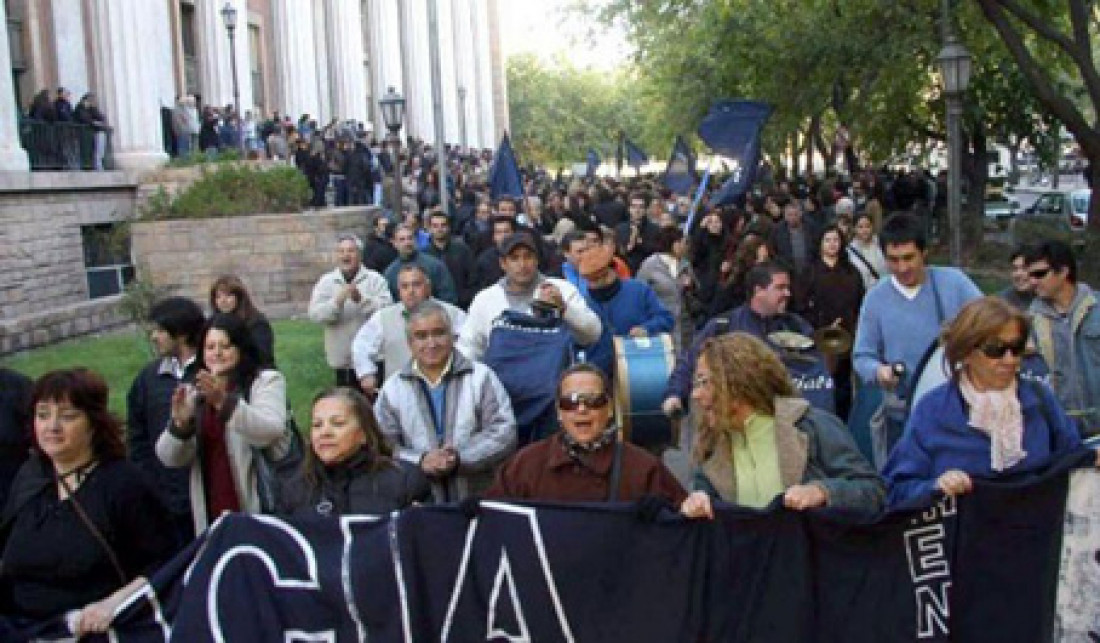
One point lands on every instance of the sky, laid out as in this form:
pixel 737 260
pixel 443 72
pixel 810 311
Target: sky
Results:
pixel 536 26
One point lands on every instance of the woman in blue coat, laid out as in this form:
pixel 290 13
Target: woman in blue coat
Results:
pixel 985 422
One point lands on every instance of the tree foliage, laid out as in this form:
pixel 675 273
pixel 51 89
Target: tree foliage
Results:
pixel 558 111
pixel 869 64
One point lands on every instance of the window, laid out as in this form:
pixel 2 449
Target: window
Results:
pixel 190 51
pixel 107 263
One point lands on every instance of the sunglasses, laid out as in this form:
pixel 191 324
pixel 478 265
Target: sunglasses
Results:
pixel 997 350
pixel 1038 273
pixel 573 401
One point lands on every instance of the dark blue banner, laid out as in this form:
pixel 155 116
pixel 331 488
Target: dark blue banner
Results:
pixel 680 173
pixel 732 129
pixel 635 156
pixel 982 568
pixel 593 162
pixel 504 177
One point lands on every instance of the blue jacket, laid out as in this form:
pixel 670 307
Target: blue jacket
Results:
pixel 1075 378
pixel 743 319
pixel 938 437
pixel 635 304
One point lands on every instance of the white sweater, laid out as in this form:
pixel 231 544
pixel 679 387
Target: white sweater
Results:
pixel 488 304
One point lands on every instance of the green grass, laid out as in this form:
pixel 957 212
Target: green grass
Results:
pixel 118 357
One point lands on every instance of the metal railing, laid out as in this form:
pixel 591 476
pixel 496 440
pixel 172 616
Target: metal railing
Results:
pixel 64 146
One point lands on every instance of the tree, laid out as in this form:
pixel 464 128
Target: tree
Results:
pixel 558 112
pixel 1045 44
pixel 865 63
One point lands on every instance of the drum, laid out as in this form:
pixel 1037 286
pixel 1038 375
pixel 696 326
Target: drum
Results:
pixel 642 367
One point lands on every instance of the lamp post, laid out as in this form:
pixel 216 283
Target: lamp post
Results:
pixel 229 17
pixel 954 63
pixel 393 112
pixel 462 114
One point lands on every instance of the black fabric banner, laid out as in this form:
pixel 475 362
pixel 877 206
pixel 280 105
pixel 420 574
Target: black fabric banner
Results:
pixel 981 569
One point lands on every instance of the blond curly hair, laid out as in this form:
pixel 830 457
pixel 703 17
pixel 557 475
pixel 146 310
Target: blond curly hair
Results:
pixel 742 369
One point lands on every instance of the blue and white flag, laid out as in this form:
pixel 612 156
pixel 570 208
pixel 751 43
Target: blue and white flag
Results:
pixel 732 128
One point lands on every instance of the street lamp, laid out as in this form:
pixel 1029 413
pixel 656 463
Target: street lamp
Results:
pixel 393 112
pixel 229 17
pixel 462 114
pixel 954 63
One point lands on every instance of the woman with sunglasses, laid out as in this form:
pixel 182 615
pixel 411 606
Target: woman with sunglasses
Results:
pixel 985 422
pixel 578 464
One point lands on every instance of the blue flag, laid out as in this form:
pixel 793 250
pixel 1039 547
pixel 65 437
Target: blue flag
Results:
pixel 680 173
pixel 593 160
pixel 635 156
pixel 732 129
pixel 504 178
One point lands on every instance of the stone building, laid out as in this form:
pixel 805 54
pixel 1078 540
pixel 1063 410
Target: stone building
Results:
pixel 61 266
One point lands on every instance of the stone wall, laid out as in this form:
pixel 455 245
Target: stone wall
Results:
pixel 44 293
pixel 279 257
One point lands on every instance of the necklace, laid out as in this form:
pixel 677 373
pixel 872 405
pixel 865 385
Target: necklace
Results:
pixel 78 474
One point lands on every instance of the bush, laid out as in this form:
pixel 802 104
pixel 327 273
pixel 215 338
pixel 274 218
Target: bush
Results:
pixel 232 190
pixel 200 158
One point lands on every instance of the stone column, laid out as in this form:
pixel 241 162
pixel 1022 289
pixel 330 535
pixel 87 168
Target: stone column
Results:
pixel 346 54
pixel 465 71
pixel 294 57
pixel 486 106
pixel 320 71
pixel 216 76
pixel 385 55
pixel 125 72
pixel 499 113
pixel 12 156
pixel 418 97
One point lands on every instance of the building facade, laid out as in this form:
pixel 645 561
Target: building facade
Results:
pixel 326 58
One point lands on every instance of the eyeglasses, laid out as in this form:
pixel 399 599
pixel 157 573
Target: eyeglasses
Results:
pixel 1038 273
pixel 431 333
pixel 573 401
pixel 997 350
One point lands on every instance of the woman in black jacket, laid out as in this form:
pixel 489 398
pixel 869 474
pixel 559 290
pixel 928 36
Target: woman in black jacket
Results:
pixel 81 530
pixel 349 468
pixel 833 292
pixel 229 295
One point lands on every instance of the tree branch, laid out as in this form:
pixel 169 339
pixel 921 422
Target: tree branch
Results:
pixel 1081 54
pixel 1044 90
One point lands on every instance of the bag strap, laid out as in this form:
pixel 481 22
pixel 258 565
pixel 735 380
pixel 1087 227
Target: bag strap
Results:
pixel 616 471
pixel 859 255
pixel 93 530
pixel 940 317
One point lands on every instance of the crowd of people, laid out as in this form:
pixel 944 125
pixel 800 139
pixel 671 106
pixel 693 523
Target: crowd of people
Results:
pixel 423 322
pixel 68 137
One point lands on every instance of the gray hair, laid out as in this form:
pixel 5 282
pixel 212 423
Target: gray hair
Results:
pixel 348 236
pixel 426 309
pixel 414 267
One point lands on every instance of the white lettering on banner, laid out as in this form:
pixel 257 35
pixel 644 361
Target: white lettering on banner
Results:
pixel 346 524
pixel 932 611
pixel 813 382
pixel 310 582
pixel 504 575
pixel 530 517
pixel 926 550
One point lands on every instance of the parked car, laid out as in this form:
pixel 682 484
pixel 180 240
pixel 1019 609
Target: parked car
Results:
pixel 1060 212
pixel 999 211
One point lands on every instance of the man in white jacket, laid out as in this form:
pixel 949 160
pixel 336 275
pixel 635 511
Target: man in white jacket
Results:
pixel 342 300
pixel 521 286
pixel 445 413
